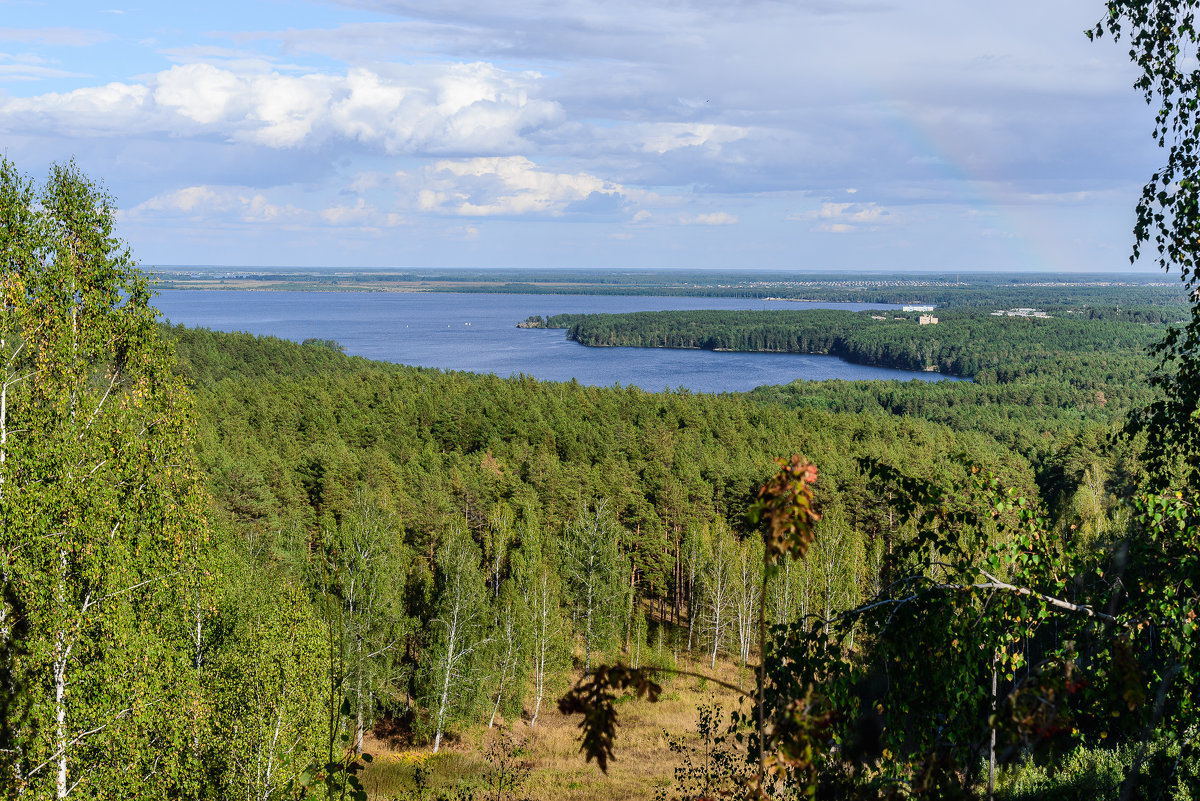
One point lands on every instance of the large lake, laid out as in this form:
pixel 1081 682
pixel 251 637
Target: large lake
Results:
pixel 478 333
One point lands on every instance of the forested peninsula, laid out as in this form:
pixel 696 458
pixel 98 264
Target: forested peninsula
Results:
pixel 987 346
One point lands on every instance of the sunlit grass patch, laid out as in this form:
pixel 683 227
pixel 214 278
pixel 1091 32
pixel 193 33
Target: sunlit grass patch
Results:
pixel 550 749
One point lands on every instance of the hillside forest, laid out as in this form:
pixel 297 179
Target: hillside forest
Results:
pixel 228 564
pixel 255 551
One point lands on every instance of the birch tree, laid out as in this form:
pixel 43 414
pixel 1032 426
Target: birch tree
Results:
pixel 835 558
pixel 498 535
pixel 718 579
pixel 270 680
pixel 508 646
pixel 747 587
pixel 99 499
pixel 460 625
pixel 639 637
pixel 781 592
pixel 369 555
pixel 541 588
pixel 593 566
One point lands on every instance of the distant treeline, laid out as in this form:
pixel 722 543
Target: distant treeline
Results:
pixel 978 290
pixel 966 343
pixel 990 296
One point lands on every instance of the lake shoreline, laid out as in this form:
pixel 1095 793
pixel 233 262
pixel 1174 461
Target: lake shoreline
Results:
pixel 476 332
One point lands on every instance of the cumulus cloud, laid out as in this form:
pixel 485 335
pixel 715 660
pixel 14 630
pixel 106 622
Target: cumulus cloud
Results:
pixel 451 108
pixel 361 215
pixel 842 218
pixel 234 204
pixel 513 185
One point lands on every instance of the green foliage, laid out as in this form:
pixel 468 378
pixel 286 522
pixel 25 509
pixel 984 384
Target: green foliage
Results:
pixel 977 344
pixel 266 678
pixel 710 768
pixel 1038 382
pixel 1096 774
pixel 328 344
pixel 366 554
pixel 100 506
pixel 460 630
pixel 541 588
pixel 1162 38
pixel 593 567
pixel 507 769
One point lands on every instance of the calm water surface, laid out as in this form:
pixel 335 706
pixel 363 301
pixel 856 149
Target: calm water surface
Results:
pixel 478 333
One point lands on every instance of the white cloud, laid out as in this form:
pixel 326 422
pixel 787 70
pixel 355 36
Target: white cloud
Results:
pixel 68 37
pixel 361 215
pixel 206 205
pixel 842 218
pixel 450 108
pixel 229 204
pixel 664 136
pixel 512 185
pixel 714 218
pixel 82 112
pixel 28 67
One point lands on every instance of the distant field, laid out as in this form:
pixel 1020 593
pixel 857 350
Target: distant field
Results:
pixel 1003 290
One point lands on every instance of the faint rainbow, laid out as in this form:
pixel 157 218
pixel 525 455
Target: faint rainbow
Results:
pixel 950 159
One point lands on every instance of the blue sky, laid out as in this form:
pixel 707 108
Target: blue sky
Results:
pixel 806 134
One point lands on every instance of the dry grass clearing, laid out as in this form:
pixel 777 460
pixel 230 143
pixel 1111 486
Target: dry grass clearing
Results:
pixel 557 771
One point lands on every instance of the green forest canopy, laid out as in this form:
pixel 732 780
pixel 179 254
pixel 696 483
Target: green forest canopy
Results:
pixel 379 537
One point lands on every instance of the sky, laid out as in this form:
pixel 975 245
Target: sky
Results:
pixel 741 134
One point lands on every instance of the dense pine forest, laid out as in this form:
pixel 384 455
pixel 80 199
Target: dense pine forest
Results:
pixel 1063 344
pixel 1035 381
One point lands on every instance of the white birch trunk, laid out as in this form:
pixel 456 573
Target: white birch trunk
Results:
pixel 505 661
pixel 62 652
pixel 541 645
pixel 3 423
pixel 716 639
pixel 451 638
pixel 718 581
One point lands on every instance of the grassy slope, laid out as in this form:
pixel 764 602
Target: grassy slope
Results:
pixel 557 771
